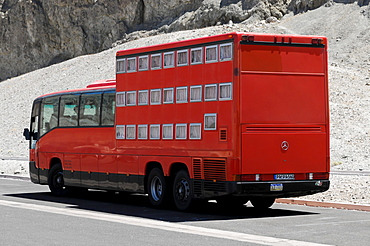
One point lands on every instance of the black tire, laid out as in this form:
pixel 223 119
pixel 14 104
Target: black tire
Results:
pixel 262 202
pixel 156 187
pixel 232 202
pixel 182 191
pixel 56 180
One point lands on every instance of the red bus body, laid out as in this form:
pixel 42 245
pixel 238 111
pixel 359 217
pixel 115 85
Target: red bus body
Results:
pixel 252 121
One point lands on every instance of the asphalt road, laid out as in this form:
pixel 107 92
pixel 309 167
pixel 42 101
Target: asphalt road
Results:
pixel 30 215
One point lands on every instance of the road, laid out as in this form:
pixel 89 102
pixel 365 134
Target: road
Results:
pixel 30 215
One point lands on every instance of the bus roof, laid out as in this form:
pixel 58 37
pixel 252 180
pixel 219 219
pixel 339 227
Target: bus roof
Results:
pixel 242 36
pixel 96 85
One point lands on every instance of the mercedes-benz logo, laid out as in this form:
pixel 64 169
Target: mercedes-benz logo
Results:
pixel 285 145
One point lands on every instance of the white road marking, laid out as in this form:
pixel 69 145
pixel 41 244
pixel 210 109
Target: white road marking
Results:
pixel 161 225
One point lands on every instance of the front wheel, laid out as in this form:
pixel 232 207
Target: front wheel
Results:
pixel 182 190
pixel 56 180
pixel 156 187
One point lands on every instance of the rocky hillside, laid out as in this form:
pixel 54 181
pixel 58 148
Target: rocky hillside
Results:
pixel 39 33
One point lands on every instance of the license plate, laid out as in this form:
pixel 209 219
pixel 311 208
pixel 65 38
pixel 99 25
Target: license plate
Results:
pixel 284 176
pixel 276 187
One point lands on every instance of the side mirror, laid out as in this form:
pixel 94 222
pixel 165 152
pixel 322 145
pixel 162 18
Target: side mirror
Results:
pixel 26 133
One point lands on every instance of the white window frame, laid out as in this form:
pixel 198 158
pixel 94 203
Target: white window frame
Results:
pixel 187 58
pixel 156 126
pixel 200 130
pixel 211 47
pixel 160 61
pixel 146 64
pixel 186 93
pixel 121 94
pixel 135 63
pixel 120 132
pixel 176 133
pixel 206 127
pixel 127 98
pixel 231 91
pixel 173 59
pixel 201 93
pixel 163 131
pixel 147 97
pixel 128 127
pixel 201 55
pixel 124 66
pixel 159 99
pixel 205 91
pixel 228 58
pixel 168 89
pixel 146 131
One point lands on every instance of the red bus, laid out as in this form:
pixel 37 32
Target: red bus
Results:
pixel 233 117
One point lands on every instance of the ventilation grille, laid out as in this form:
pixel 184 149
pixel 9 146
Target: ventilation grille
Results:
pixel 214 169
pixel 223 134
pixel 214 186
pixel 197 168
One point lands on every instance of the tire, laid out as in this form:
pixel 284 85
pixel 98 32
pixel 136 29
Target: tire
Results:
pixel 56 180
pixel 182 191
pixel 156 187
pixel 232 202
pixel 262 202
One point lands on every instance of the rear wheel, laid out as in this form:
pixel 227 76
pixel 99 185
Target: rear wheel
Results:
pixel 156 187
pixel 262 202
pixel 182 190
pixel 56 180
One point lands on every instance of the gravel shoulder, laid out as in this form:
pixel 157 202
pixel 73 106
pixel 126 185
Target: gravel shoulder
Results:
pixel 348 31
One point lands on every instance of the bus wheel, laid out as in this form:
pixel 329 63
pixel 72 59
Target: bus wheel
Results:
pixel 56 180
pixel 182 190
pixel 156 187
pixel 262 202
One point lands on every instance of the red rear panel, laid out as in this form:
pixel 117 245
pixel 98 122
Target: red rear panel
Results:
pixel 284 109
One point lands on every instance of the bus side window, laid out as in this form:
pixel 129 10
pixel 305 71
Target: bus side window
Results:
pixel 108 109
pixel 90 109
pixel 49 114
pixel 68 110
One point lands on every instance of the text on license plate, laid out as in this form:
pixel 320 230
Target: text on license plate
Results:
pixel 276 187
pixel 284 177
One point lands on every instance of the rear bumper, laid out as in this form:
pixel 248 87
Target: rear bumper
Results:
pixel 281 189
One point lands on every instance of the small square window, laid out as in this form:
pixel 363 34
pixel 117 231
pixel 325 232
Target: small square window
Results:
pixel 182 94
pixel 143 97
pixel 167 131
pixel 131 98
pixel 168 59
pixel 225 91
pixel 120 132
pixel 130 132
pixel 196 93
pixel 142 131
pixel 156 61
pixel 143 63
pixel 211 53
pixel 154 131
pixel 181 131
pixel 196 56
pixel 155 96
pixel 195 131
pixel 226 52
pixel 167 95
pixel 182 57
pixel 121 66
pixel 121 99
pixel 210 121
pixel 210 92
pixel 131 64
